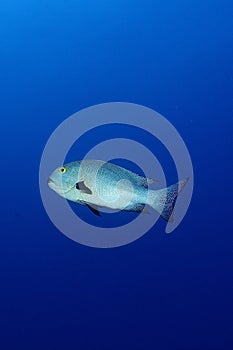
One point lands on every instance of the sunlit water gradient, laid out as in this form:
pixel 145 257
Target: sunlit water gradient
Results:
pixel 162 291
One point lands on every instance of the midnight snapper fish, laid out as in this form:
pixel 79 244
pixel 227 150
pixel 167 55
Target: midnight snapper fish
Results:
pixel 98 184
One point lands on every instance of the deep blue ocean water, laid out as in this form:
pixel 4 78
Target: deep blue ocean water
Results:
pixel 162 291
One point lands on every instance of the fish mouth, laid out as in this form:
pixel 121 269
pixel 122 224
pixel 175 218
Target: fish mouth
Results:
pixel 56 187
pixel 51 183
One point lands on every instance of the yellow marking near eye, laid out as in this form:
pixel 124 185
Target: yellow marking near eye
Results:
pixel 62 170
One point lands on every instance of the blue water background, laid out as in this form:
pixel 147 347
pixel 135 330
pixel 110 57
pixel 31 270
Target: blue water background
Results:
pixel 162 291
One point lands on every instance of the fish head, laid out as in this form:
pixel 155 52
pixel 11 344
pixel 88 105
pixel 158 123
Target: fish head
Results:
pixel 63 179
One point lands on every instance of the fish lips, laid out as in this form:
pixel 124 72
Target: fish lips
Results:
pixel 50 181
pixel 56 187
pixel 53 185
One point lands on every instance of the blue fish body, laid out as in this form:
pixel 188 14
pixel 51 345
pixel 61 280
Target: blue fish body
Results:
pixel 103 184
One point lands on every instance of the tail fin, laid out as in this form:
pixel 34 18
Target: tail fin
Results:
pixel 163 201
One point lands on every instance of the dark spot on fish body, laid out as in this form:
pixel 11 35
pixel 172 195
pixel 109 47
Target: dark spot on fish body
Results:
pixel 82 187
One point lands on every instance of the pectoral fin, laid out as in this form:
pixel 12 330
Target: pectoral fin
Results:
pixel 82 187
pixel 94 209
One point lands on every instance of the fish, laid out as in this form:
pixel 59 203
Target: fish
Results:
pixel 98 184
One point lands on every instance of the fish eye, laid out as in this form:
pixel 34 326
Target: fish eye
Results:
pixel 62 170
